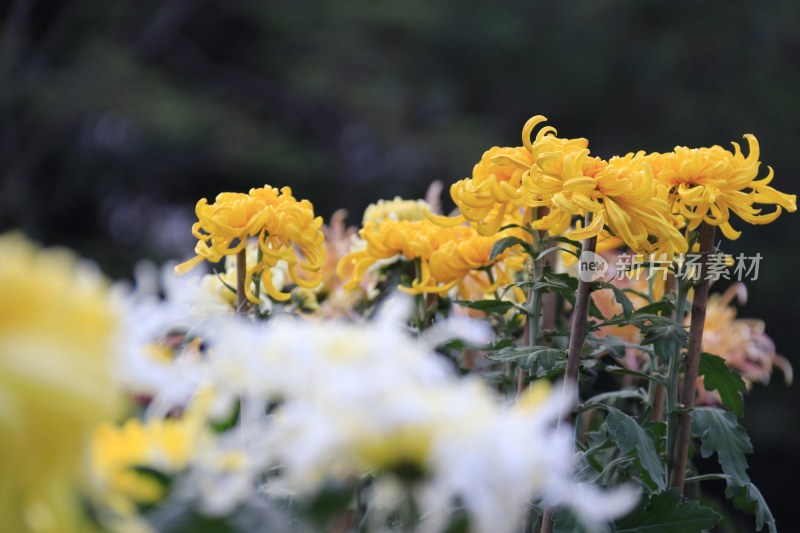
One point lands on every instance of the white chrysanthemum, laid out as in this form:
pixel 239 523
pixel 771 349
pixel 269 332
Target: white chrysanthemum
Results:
pixel 352 399
pixel 453 442
pixel 157 358
pixel 289 359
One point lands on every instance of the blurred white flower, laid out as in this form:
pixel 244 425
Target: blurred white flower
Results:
pixel 323 401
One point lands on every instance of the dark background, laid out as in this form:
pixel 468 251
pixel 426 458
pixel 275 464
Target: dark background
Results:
pixel 117 116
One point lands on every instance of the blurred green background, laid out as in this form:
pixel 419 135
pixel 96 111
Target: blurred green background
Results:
pixel 117 116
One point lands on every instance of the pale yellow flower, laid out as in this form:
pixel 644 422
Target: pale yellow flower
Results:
pixel 57 329
pixel 117 453
pixel 397 209
pixel 125 460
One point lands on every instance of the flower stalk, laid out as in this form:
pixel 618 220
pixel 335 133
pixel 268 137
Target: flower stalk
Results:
pixel 674 371
pixel 533 324
pixel 578 331
pixel 576 339
pixel 689 386
pixel 657 391
pixel 241 276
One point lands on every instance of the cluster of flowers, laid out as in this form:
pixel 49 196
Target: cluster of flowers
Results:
pixel 221 408
pixel 643 199
pixel 316 402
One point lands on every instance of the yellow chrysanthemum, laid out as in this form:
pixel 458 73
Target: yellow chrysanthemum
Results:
pixel 56 340
pixel 446 255
pixel 397 209
pixel 405 450
pixel 117 452
pixel 619 193
pixel 121 457
pixel 707 184
pixel 486 197
pixel 281 224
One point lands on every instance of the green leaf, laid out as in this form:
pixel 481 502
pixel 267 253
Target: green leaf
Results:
pixel 225 283
pixel 662 307
pixel 619 295
pixel 628 434
pixel 611 396
pixel 750 500
pixel 719 431
pixel 614 369
pixel 256 514
pixel 565 240
pixel 556 248
pixel 333 498
pixel 490 306
pixel 667 339
pixel 720 377
pixel 661 513
pixel 505 243
pixel 528 356
pixel 612 344
pixel 458 522
pixel 645 321
pixel 565 522
pixel 563 284
pixel 224 424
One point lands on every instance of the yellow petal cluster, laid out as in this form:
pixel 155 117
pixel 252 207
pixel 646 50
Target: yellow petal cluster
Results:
pixel 619 193
pixel 492 191
pixel 708 184
pixel 446 255
pixel 397 209
pixel 282 226
pixel 117 454
pixel 644 199
pixel 57 331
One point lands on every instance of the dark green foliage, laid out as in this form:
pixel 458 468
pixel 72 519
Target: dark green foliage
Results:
pixel 629 436
pixel 663 513
pixel 727 382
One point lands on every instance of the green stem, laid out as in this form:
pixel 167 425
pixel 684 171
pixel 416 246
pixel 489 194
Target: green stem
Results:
pixel 674 370
pixel 534 297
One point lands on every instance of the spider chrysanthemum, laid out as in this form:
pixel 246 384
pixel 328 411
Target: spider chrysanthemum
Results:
pixel 284 227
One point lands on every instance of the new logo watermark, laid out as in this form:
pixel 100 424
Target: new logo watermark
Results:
pixel 591 267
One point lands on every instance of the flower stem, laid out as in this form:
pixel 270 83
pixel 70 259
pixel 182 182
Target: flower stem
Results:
pixel 576 339
pixel 674 371
pixel 658 390
pixel 578 331
pixel 241 274
pixel 658 403
pixel 531 334
pixel 680 455
pixel 423 302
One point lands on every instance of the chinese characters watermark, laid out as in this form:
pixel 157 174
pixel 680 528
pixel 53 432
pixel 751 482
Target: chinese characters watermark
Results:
pixel 687 266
